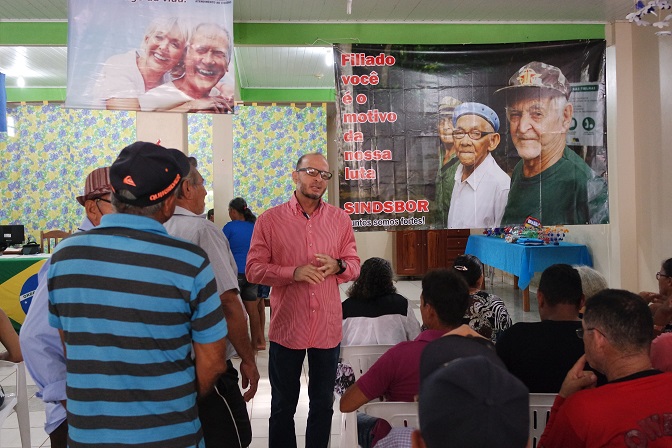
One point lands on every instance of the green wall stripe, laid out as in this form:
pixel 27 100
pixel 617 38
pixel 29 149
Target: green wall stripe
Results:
pixel 31 95
pixel 287 95
pixel 34 94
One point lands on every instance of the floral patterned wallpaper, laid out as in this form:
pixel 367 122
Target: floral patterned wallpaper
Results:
pixel 200 146
pixel 267 143
pixel 42 167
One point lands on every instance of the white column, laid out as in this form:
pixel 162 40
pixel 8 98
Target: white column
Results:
pixel 168 127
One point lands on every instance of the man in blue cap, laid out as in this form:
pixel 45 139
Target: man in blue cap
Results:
pixel 481 187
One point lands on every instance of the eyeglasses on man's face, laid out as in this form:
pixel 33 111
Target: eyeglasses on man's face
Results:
pixel 660 274
pixel 474 134
pixel 314 172
pixel 97 200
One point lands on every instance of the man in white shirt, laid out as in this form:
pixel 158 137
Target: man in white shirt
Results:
pixel 481 187
pixel 223 414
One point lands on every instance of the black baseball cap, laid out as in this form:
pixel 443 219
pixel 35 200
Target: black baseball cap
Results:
pixel 473 402
pixel 145 174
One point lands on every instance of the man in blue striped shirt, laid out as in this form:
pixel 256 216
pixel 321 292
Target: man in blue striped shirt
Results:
pixel 138 313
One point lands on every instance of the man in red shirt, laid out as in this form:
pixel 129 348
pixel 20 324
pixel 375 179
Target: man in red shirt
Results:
pixel 635 407
pixel 303 248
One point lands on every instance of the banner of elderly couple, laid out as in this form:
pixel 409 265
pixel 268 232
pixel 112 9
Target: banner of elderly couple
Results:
pixel 151 55
pixel 472 136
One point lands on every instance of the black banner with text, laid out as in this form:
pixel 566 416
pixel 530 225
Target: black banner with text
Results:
pixel 472 136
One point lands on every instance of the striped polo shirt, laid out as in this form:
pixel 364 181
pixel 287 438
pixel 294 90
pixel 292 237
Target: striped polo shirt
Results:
pixel 130 299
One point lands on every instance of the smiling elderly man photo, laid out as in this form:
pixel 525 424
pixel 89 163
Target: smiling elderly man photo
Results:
pixel 551 182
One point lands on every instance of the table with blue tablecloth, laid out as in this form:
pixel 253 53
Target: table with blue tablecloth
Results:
pixel 523 261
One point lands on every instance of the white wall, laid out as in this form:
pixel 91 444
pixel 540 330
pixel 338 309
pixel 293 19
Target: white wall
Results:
pixel 168 128
pixel 652 62
pixel 661 215
pixel 375 244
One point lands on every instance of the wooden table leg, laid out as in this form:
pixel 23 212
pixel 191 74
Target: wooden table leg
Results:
pixel 526 299
pixel 515 282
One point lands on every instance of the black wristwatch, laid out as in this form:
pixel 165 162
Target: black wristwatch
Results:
pixel 342 266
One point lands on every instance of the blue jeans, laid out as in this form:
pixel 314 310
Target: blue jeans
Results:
pixel 284 372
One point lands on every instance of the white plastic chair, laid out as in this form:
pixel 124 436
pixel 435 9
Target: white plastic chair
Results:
pixel 540 411
pixel 397 413
pixel 17 401
pixel 362 357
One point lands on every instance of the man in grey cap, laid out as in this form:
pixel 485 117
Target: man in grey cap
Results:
pixel 224 415
pixel 138 313
pixel 480 185
pixel 551 182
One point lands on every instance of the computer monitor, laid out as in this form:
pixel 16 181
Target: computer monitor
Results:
pixel 12 235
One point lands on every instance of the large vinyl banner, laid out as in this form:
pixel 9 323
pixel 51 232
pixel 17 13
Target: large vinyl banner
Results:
pixel 472 136
pixel 151 55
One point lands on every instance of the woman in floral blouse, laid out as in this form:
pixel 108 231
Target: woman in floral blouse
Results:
pixel 487 313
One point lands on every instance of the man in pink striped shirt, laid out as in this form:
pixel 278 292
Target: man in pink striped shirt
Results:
pixel 303 248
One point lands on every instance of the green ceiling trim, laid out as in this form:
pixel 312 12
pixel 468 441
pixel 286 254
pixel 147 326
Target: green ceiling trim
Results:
pixel 287 95
pixel 34 94
pixel 322 34
pixel 56 33
pixel 34 33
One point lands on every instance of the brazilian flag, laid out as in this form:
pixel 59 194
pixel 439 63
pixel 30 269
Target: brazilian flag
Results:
pixel 18 281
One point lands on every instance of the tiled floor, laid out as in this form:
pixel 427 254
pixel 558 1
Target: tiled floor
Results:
pixel 259 407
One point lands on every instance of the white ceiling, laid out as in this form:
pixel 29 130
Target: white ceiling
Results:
pixel 305 67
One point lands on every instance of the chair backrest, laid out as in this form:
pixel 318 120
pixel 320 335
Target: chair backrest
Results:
pixel 397 413
pixel 16 400
pixel 540 411
pixel 362 357
pixel 48 236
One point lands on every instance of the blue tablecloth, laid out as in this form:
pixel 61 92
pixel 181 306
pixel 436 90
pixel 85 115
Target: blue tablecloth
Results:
pixel 524 261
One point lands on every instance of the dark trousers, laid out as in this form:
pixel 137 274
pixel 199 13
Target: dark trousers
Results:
pixel 223 414
pixel 284 372
pixel 59 436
